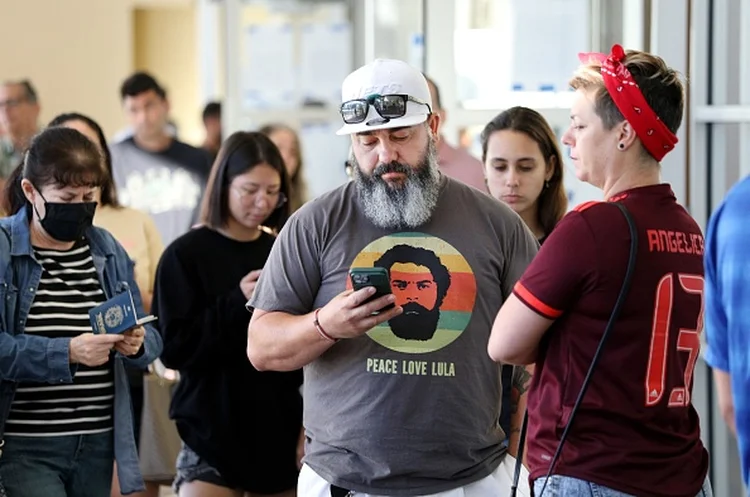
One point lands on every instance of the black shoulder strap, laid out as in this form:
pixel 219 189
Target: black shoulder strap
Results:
pixel 519 455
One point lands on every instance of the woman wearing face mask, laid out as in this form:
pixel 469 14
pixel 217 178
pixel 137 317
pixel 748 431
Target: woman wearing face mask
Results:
pixel 635 430
pixel 137 233
pixel 134 229
pixel 64 400
pixel 240 427
pixel 524 168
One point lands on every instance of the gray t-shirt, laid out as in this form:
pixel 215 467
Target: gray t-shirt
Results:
pixel 412 407
pixel 168 185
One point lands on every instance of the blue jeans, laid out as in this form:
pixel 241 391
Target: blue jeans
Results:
pixel 67 466
pixel 565 486
pixel 191 467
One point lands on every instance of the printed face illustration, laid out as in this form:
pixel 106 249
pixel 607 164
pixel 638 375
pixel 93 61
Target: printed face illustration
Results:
pixel 434 284
pixel 420 282
pixel 412 283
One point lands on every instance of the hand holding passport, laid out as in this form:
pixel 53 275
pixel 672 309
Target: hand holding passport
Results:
pixel 131 343
pixel 117 315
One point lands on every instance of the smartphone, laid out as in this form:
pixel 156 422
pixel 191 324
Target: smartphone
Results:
pixel 362 277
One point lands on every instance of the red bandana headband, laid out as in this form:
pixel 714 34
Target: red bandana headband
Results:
pixel 623 89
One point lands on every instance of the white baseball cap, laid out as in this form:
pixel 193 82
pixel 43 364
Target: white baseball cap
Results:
pixel 387 77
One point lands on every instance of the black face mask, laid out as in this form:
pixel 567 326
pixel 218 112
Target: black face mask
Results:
pixel 66 222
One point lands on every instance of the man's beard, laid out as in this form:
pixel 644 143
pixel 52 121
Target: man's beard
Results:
pixel 420 326
pixel 406 205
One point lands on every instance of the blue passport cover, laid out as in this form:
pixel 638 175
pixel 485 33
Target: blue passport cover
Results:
pixel 115 315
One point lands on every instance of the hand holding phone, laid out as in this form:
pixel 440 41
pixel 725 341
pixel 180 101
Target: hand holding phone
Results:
pixel 377 277
pixel 353 313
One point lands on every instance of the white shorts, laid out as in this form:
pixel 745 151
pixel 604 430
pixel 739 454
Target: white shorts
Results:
pixel 310 484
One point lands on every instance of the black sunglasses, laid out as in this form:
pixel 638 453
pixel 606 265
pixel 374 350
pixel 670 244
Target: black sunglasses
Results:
pixel 387 106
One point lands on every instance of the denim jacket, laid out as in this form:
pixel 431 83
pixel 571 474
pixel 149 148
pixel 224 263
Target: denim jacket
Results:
pixel 40 359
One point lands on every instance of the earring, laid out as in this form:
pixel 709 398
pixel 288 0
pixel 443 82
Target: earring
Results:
pixel 621 146
pixel 546 184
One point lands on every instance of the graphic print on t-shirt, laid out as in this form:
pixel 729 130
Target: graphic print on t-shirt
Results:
pixel 434 284
pixel 159 189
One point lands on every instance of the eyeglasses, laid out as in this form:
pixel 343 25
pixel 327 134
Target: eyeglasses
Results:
pixel 387 106
pixel 12 103
pixel 253 196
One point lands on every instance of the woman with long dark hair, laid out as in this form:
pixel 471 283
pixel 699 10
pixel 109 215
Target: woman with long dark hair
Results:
pixel 239 426
pixel 523 167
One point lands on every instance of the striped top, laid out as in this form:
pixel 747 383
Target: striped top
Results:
pixel 68 288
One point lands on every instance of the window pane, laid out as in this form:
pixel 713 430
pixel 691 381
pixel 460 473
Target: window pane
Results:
pixel 504 48
pixel 399 31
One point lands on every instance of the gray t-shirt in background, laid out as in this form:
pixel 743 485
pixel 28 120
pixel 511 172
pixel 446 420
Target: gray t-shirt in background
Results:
pixel 412 407
pixel 168 185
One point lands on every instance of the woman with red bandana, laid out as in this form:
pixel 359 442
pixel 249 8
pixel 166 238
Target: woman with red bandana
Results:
pixel 635 431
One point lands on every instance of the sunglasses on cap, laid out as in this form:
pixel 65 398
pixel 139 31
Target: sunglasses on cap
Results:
pixel 387 106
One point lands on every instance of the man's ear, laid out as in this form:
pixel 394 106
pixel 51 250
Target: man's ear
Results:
pixel 433 122
pixel 441 114
pixel 168 109
pixel 37 110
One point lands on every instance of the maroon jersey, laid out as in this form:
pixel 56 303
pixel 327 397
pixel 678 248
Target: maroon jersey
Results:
pixel 636 430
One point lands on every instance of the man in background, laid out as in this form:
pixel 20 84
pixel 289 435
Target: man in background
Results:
pixel 154 171
pixel 19 112
pixel 727 295
pixel 455 162
pixel 212 125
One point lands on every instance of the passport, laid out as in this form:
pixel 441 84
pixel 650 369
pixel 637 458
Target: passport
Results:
pixel 116 315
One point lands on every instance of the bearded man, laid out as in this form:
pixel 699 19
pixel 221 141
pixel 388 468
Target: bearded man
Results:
pixel 385 413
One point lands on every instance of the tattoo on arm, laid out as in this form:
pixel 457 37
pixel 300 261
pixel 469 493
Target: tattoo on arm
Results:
pixel 520 382
pixel 521 379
